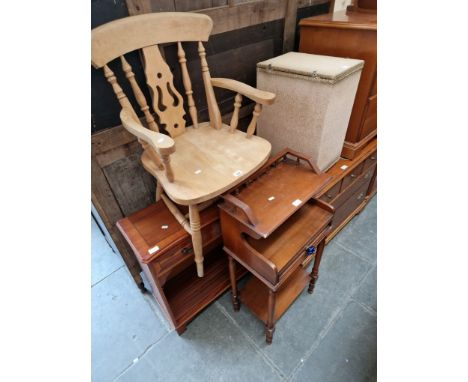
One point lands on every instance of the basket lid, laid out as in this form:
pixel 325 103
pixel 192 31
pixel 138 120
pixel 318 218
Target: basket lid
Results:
pixel 313 66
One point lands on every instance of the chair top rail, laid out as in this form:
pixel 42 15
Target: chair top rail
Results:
pixel 118 37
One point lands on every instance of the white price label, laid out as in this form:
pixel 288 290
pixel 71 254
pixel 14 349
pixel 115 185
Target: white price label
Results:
pixel 153 250
pixel 296 202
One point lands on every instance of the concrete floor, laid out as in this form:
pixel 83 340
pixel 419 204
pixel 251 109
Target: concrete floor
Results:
pixel 328 336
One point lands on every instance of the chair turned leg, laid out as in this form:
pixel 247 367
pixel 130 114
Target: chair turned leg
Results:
pixel 234 291
pixel 194 216
pixel 314 273
pixel 270 325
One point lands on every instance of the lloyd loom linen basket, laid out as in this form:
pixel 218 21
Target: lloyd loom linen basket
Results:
pixel 314 99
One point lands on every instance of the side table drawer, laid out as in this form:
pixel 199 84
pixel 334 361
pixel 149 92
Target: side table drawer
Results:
pixel 182 256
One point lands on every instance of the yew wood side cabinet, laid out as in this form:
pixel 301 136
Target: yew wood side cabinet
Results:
pixel 272 225
pixel 349 34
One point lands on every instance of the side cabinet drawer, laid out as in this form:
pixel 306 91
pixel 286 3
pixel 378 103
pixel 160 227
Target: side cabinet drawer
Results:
pixel 350 204
pixel 331 193
pixel 351 177
pixel 181 256
pixel 371 160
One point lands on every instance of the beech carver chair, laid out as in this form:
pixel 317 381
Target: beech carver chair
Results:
pixel 195 164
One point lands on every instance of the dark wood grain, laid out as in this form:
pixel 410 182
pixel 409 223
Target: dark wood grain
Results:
pixel 353 35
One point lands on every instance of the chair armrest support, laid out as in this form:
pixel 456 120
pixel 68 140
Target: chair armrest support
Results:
pixel 161 143
pixel 259 96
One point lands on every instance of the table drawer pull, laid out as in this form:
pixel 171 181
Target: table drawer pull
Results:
pixel 353 175
pixel 329 196
pixel 310 250
pixel 361 195
pixel 187 250
pixel 372 157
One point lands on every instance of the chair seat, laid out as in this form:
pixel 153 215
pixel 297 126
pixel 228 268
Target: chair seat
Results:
pixel 208 162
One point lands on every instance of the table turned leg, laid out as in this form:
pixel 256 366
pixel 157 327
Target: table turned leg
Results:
pixel 314 273
pixel 234 291
pixel 270 325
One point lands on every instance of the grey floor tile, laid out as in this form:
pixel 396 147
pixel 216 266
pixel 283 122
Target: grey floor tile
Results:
pixel 211 349
pixel 347 353
pixel 360 234
pixel 301 325
pixel 122 325
pixel 367 291
pixel 103 260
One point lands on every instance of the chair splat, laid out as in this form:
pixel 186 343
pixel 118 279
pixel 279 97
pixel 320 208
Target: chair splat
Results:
pixel 167 101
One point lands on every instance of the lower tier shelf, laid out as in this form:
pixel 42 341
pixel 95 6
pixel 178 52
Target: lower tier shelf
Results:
pixel 255 295
pixel 187 294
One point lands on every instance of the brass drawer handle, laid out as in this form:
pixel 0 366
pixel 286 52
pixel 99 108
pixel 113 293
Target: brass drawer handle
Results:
pixel 329 196
pixel 367 175
pixel 360 196
pixel 353 175
pixel 372 157
pixel 187 250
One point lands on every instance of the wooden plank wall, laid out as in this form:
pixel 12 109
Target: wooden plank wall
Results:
pixel 245 32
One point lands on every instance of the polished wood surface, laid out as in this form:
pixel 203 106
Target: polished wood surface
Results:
pixel 353 184
pixel 271 202
pixel 353 35
pixel 270 231
pixel 175 284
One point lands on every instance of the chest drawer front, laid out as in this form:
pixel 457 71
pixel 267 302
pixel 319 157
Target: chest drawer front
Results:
pixel 371 160
pixel 350 204
pixel 351 177
pixel 360 180
pixel 331 193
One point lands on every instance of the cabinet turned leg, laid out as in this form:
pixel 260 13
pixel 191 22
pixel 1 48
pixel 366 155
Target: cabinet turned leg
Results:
pixel 195 226
pixel 314 273
pixel 270 325
pixel 234 291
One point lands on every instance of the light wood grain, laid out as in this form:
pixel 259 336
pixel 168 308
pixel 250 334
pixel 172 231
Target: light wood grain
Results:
pixel 159 142
pixel 208 162
pixel 167 101
pixel 176 213
pixel 213 109
pixel 235 114
pixel 137 32
pixel 121 97
pixel 253 122
pixel 187 84
pixel 196 237
pixel 138 94
pixel 259 96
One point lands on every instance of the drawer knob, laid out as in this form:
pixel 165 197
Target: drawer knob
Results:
pixel 367 175
pixel 187 250
pixel 373 158
pixel 329 196
pixel 360 196
pixel 310 250
pixel 353 175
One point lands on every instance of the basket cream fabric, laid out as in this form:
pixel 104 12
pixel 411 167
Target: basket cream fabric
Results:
pixel 315 96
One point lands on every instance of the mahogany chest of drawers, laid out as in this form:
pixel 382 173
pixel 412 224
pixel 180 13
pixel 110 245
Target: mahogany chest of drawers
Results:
pixel 354 35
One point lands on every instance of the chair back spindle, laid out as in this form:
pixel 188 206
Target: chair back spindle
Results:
pixel 213 109
pixel 121 97
pixel 187 84
pixel 138 94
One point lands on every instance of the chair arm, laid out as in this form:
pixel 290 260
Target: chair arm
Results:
pixel 259 96
pixel 161 143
